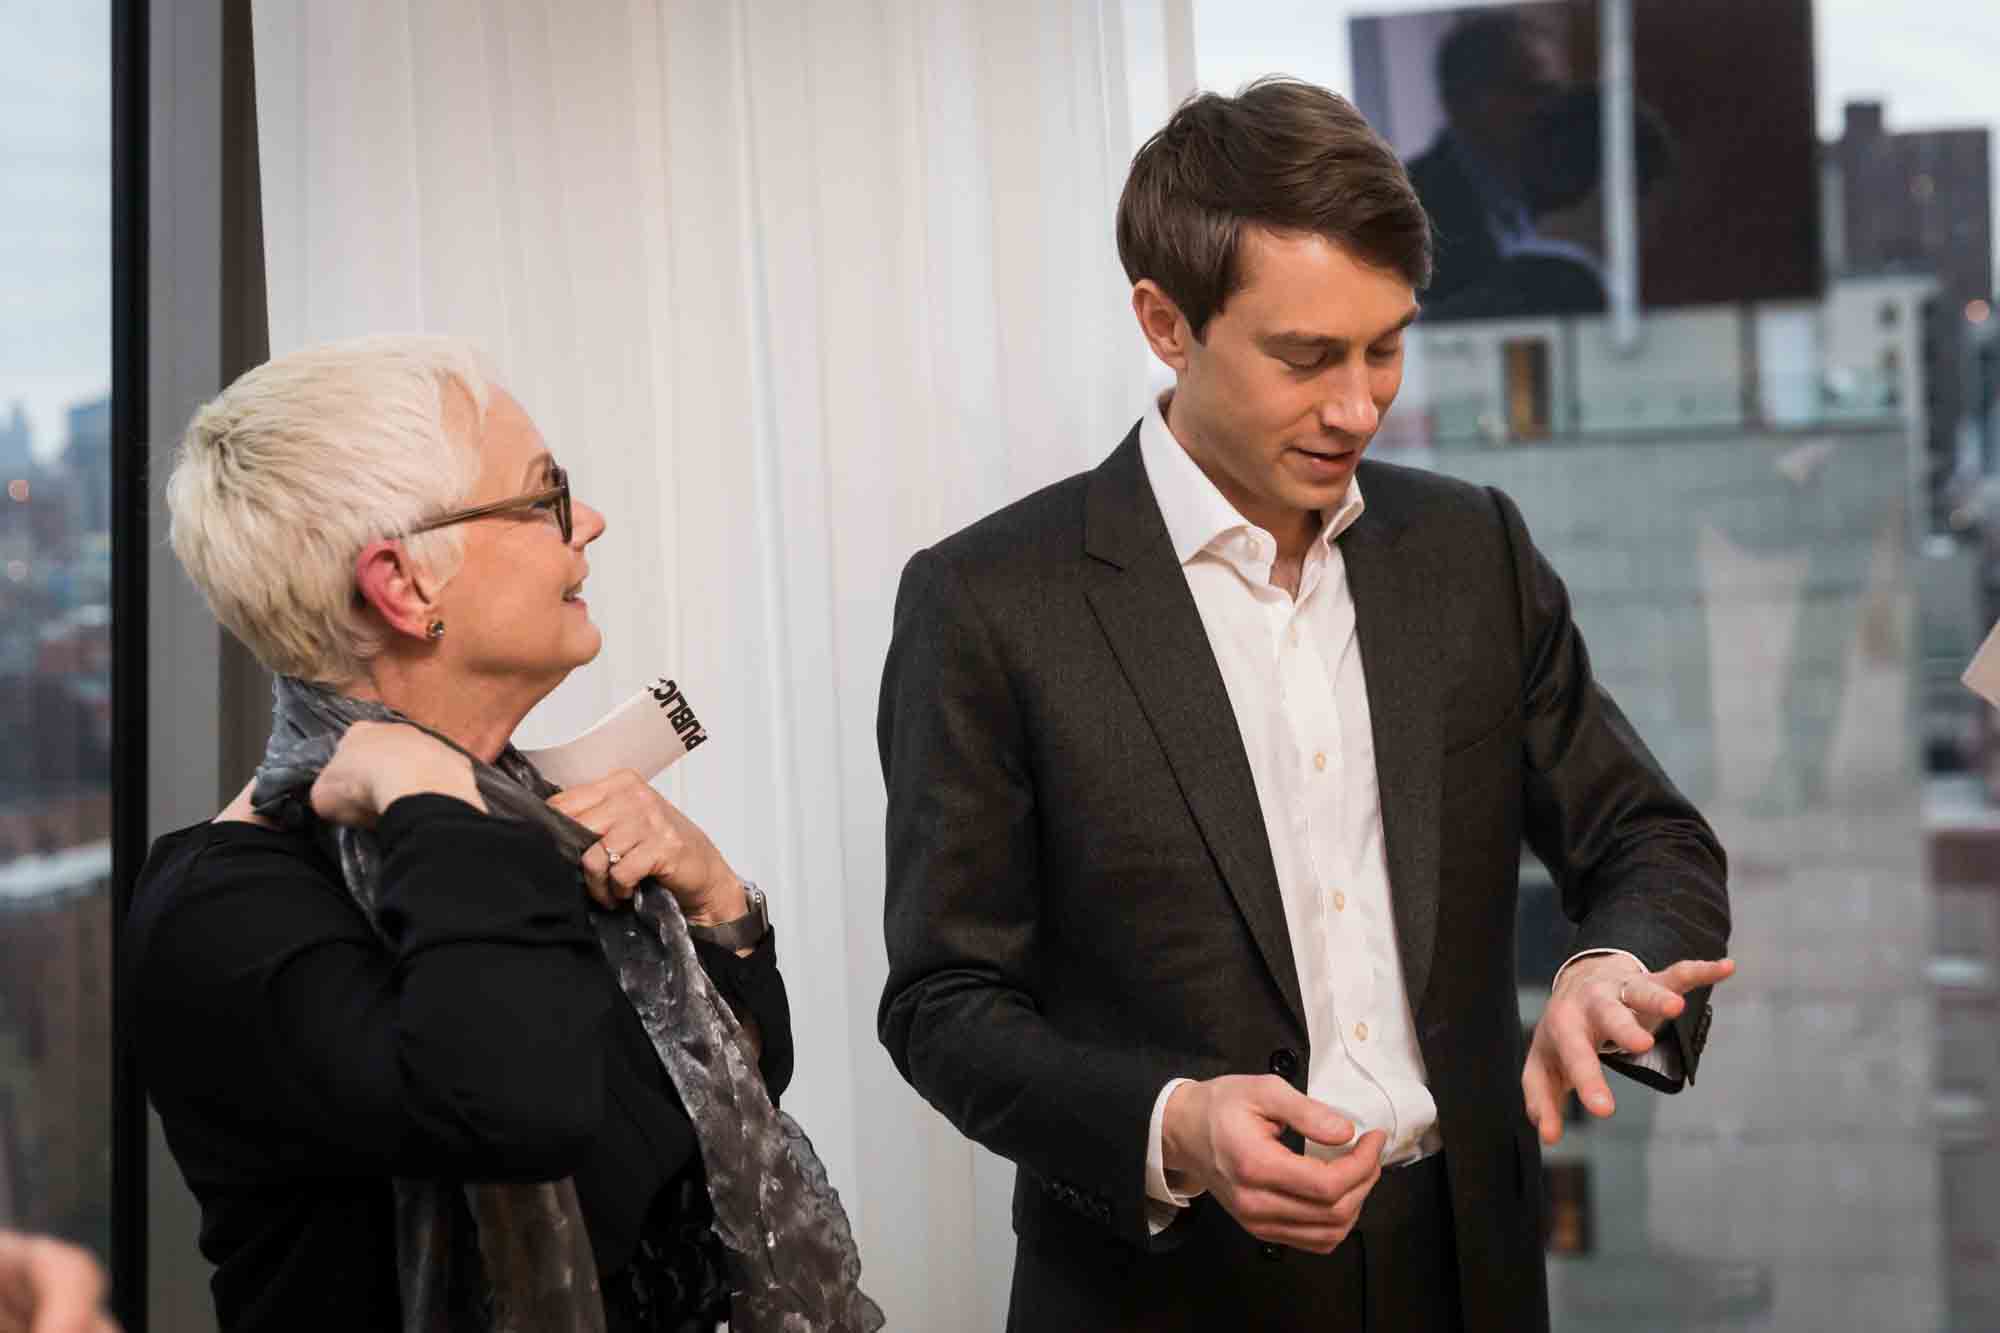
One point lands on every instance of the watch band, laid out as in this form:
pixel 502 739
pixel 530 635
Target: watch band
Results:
pixel 742 933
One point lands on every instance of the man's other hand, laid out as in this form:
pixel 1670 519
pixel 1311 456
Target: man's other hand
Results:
pixel 1599 1004
pixel 1221 1136
pixel 49 1286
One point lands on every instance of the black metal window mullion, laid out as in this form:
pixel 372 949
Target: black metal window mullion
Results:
pixel 130 140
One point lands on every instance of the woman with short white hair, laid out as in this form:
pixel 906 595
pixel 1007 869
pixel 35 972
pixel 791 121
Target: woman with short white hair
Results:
pixel 437 1046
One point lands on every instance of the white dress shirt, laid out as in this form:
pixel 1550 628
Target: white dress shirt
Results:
pixel 1296 682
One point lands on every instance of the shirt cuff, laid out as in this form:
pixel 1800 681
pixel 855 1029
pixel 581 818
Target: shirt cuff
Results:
pixel 1665 1057
pixel 1163 1201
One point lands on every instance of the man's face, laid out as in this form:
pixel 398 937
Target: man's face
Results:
pixel 1279 399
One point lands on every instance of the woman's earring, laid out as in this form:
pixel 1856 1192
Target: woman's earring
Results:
pixel 435 630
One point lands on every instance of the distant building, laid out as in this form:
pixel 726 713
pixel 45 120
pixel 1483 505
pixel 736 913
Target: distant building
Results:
pixel 1921 203
pixel 1986 388
pixel 1877 346
pixel 55 1026
pixel 16 445
pixel 86 457
pixel 1855 359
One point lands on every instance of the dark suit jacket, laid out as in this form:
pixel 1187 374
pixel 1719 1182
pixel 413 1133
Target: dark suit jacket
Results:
pixel 1081 899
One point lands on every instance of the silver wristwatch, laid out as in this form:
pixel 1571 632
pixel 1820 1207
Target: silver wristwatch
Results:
pixel 742 933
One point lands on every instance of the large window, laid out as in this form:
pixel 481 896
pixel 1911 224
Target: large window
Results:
pixel 55 619
pixel 1774 498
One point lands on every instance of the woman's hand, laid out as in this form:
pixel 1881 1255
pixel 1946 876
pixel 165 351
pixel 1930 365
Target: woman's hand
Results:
pixel 641 834
pixel 377 763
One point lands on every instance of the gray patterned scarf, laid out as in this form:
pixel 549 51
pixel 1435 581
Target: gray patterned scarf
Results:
pixel 792 1262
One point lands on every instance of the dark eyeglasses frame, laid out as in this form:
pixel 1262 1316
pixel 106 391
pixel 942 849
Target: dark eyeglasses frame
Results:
pixel 555 496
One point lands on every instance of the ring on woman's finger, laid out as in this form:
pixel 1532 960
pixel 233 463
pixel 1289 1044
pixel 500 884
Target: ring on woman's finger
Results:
pixel 1621 993
pixel 613 857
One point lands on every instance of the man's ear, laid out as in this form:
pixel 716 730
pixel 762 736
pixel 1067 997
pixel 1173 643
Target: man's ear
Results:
pixel 387 579
pixel 1166 329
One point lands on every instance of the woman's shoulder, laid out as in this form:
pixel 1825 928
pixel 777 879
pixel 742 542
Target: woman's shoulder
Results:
pixel 217 853
pixel 234 892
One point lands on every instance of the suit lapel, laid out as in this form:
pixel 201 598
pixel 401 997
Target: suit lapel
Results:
pixel 1396 620
pixel 1147 613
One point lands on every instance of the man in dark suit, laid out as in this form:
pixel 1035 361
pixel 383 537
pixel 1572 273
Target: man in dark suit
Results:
pixel 1208 773
pixel 1497 71
pixel 1556 266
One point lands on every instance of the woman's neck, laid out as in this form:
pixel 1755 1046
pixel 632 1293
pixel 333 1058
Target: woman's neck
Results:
pixel 478 716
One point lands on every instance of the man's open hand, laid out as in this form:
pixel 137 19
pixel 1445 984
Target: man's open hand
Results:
pixel 1221 1136
pixel 1601 1002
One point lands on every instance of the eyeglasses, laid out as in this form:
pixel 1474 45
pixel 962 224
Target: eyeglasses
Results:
pixel 554 497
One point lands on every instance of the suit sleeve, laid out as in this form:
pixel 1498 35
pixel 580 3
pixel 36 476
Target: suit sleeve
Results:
pixel 959 1014
pixel 1638 868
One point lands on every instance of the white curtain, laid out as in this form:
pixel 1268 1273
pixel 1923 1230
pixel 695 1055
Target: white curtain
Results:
pixel 793 288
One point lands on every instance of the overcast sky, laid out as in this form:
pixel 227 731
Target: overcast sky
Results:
pixel 1934 63
pixel 55 208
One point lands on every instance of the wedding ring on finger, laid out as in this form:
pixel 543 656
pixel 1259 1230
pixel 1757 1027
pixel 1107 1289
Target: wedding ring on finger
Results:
pixel 613 857
pixel 1609 1046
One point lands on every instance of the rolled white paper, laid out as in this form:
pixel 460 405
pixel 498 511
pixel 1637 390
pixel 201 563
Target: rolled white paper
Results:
pixel 648 734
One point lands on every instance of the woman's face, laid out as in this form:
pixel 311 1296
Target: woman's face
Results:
pixel 514 612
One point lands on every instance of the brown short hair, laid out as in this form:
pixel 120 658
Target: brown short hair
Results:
pixel 1281 154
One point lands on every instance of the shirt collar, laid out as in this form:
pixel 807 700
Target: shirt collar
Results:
pixel 1199 518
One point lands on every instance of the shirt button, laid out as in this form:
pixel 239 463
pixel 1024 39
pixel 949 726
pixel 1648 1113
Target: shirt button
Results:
pixel 1339 901
pixel 1361 1032
pixel 1319 761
